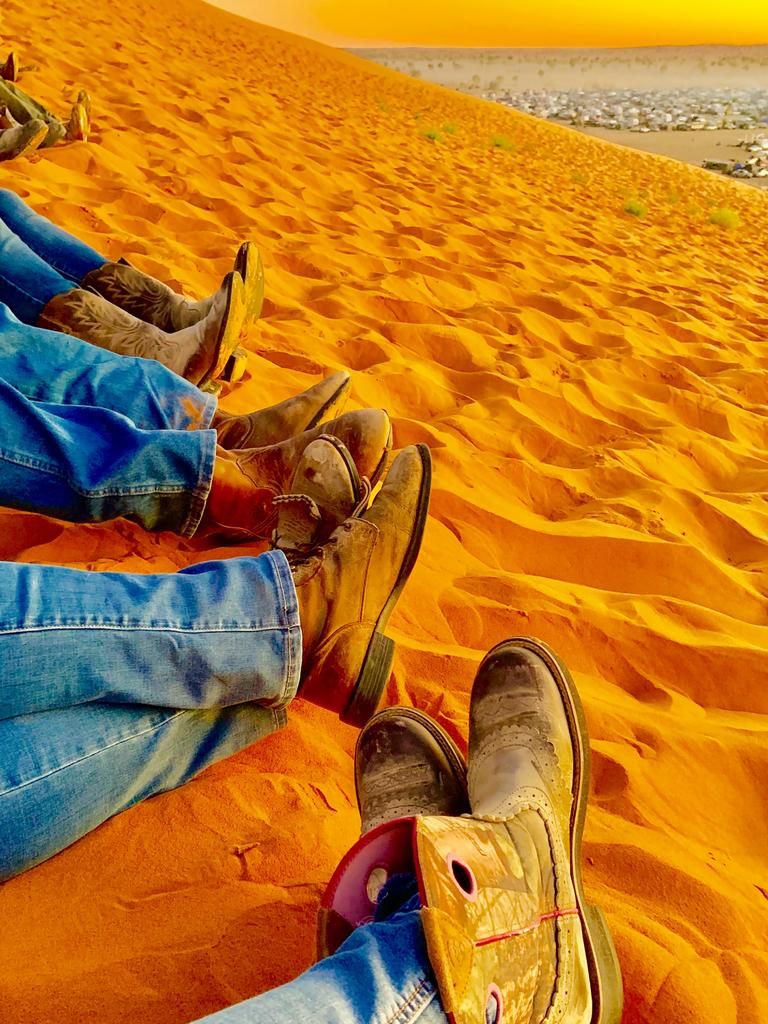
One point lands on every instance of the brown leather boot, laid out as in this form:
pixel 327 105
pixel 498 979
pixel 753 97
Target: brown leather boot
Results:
pixel 349 587
pixel 325 490
pixel 241 503
pixel 509 934
pixel 197 353
pixel 24 138
pixel 406 764
pixel 286 419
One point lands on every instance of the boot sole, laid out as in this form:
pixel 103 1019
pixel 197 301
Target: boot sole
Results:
pixel 231 326
pixel 604 969
pixel 377 663
pixel 236 366
pixel 251 269
pixel 452 753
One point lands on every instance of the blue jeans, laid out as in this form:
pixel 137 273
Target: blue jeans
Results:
pixel 380 975
pixel 37 259
pixel 86 435
pixel 116 686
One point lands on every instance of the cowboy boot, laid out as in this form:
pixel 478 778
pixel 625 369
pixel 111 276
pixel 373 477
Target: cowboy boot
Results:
pixel 509 934
pixel 197 353
pixel 241 502
pixel 24 108
pixel 348 588
pixel 405 764
pixel 286 419
pixel 23 138
pixel 10 69
pixel 148 299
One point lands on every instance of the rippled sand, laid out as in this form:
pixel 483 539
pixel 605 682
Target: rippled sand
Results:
pixel 593 387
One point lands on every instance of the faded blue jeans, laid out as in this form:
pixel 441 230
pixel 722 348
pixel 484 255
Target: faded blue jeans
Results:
pixel 38 260
pixel 380 975
pixel 86 435
pixel 116 686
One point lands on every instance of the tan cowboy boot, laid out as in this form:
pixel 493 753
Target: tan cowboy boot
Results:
pixel 286 419
pixel 154 302
pixel 148 299
pixel 348 588
pixel 197 353
pixel 509 934
pixel 241 503
pixel 23 138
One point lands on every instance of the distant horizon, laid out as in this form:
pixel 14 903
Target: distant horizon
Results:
pixel 638 46
pixel 509 24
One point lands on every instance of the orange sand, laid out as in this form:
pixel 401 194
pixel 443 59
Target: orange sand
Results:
pixel 593 387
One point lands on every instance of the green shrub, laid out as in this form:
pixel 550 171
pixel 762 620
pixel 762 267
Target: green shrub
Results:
pixel 635 208
pixel 725 217
pixel 449 128
pixel 432 134
pixel 502 142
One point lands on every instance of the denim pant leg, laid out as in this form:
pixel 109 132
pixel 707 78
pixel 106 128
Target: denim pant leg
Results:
pixel 69 256
pixel 85 464
pixel 27 283
pixel 214 635
pixel 49 367
pixel 62 773
pixel 380 975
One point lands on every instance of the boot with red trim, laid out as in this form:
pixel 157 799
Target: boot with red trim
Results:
pixel 510 936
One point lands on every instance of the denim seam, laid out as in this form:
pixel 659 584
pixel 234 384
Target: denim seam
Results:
pixel 279 717
pixel 157 488
pixel 149 628
pixel 91 753
pixel 412 1005
pixel 34 298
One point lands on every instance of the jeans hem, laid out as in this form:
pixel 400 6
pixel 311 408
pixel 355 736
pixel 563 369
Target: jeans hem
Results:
pixel 202 489
pixel 292 625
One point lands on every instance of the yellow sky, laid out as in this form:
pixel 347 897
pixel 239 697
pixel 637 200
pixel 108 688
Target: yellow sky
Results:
pixel 513 22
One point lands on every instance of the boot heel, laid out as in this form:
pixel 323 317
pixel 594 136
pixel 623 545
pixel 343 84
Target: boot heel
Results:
pixel 374 674
pixel 236 366
pixel 607 987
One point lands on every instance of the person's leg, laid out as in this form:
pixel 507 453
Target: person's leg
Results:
pixel 27 282
pixel 67 255
pixel 85 464
pixel 61 369
pixel 380 975
pixel 23 108
pixel 62 773
pixel 213 635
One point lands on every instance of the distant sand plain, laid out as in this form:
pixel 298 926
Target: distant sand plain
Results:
pixel 478 72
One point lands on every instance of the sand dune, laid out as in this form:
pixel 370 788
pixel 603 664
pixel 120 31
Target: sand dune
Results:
pixel 593 388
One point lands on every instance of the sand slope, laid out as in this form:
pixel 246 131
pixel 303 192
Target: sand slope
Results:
pixel 593 388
